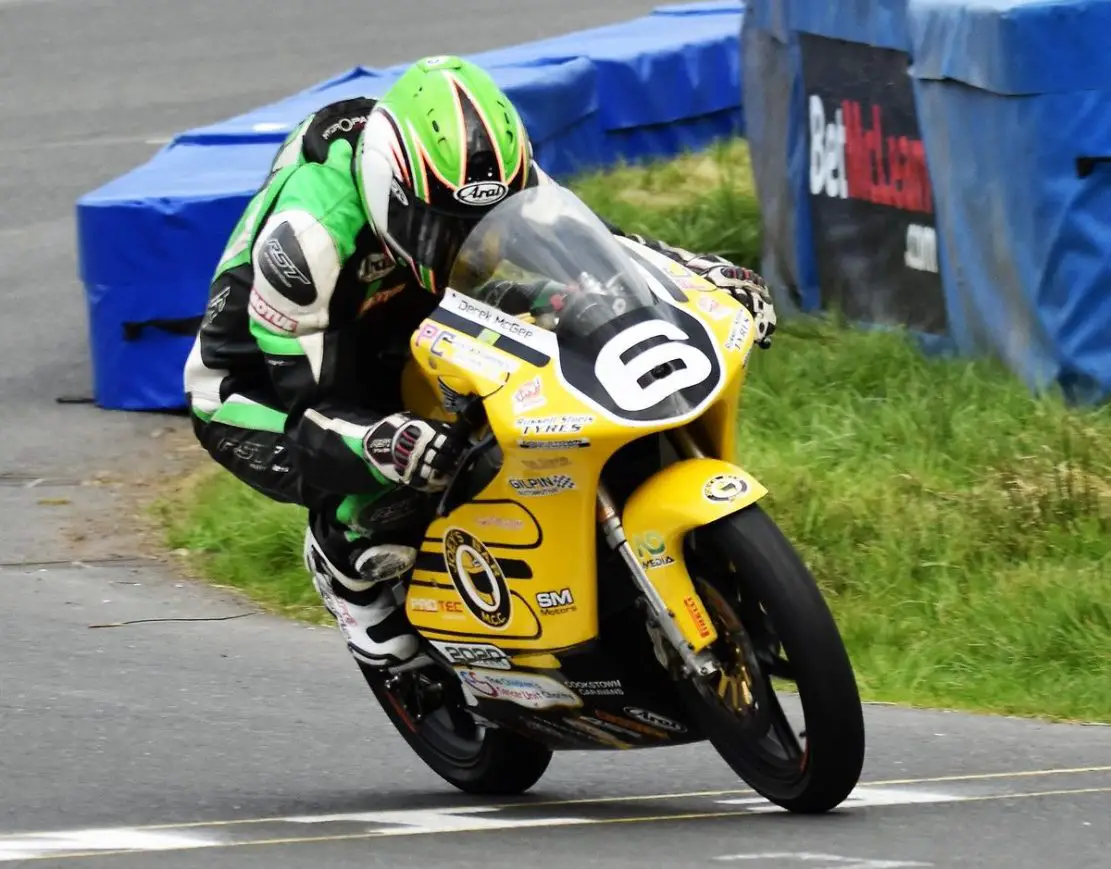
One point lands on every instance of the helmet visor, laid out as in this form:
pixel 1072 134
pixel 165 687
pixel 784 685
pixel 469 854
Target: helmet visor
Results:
pixel 431 237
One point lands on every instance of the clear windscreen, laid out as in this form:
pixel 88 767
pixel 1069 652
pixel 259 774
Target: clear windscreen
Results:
pixel 543 255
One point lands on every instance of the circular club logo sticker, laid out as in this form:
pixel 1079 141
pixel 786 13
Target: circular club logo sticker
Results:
pixel 724 487
pixel 477 577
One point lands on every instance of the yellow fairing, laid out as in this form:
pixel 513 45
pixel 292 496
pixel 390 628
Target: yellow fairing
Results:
pixel 680 498
pixel 516 566
pixel 716 428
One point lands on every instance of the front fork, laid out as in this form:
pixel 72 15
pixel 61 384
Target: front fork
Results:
pixel 662 626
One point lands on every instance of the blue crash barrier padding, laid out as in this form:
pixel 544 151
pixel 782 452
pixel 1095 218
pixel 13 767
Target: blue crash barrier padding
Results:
pixel 1013 103
pixel 148 241
pixel 148 258
pixel 1016 100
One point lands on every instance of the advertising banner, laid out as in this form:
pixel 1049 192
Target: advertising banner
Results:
pixel 871 203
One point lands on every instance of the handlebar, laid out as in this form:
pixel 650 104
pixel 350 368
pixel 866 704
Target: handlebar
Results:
pixel 470 417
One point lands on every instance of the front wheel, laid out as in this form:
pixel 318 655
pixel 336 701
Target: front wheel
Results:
pixel 427 709
pixel 774 624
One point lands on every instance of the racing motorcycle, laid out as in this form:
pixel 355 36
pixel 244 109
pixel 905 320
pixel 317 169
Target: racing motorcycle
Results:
pixel 599 574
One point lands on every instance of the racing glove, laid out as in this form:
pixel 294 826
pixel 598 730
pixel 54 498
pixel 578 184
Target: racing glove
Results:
pixel 742 284
pixel 415 452
pixel 529 297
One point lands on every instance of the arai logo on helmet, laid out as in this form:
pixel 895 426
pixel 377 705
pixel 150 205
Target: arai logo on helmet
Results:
pixel 482 193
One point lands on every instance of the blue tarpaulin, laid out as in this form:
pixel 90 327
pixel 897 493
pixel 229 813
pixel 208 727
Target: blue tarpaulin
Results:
pixel 1013 97
pixel 1013 102
pixel 148 241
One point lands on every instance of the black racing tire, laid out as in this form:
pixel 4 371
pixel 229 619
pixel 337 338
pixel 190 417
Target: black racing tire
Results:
pixel 767 569
pixel 496 763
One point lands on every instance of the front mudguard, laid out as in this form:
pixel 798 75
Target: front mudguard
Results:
pixel 663 510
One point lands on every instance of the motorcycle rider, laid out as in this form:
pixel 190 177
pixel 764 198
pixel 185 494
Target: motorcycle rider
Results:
pixel 294 377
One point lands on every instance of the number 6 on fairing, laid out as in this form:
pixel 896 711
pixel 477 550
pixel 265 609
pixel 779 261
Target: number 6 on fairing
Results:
pixel 621 379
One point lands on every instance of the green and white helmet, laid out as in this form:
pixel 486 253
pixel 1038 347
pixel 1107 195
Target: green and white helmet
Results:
pixel 439 150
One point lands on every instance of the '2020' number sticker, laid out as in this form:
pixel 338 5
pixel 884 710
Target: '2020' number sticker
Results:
pixel 622 379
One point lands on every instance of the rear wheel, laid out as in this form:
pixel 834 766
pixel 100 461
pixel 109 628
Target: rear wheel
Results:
pixel 773 624
pixel 427 708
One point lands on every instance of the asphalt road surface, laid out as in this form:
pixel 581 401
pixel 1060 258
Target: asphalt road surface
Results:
pixel 251 741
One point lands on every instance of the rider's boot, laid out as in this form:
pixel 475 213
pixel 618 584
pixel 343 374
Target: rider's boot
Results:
pixel 366 595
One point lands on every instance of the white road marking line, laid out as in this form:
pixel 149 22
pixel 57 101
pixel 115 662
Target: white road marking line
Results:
pixel 371 817
pixel 416 822
pixel 422 821
pixel 675 795
pixel 37 845
pixel 413 822
pixel 464 825
pixel 828 861
pixel 988 776
pixel 984 776
pixel 863 796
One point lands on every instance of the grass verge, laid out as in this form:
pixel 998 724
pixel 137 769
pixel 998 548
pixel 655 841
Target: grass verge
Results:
pixel 960 528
